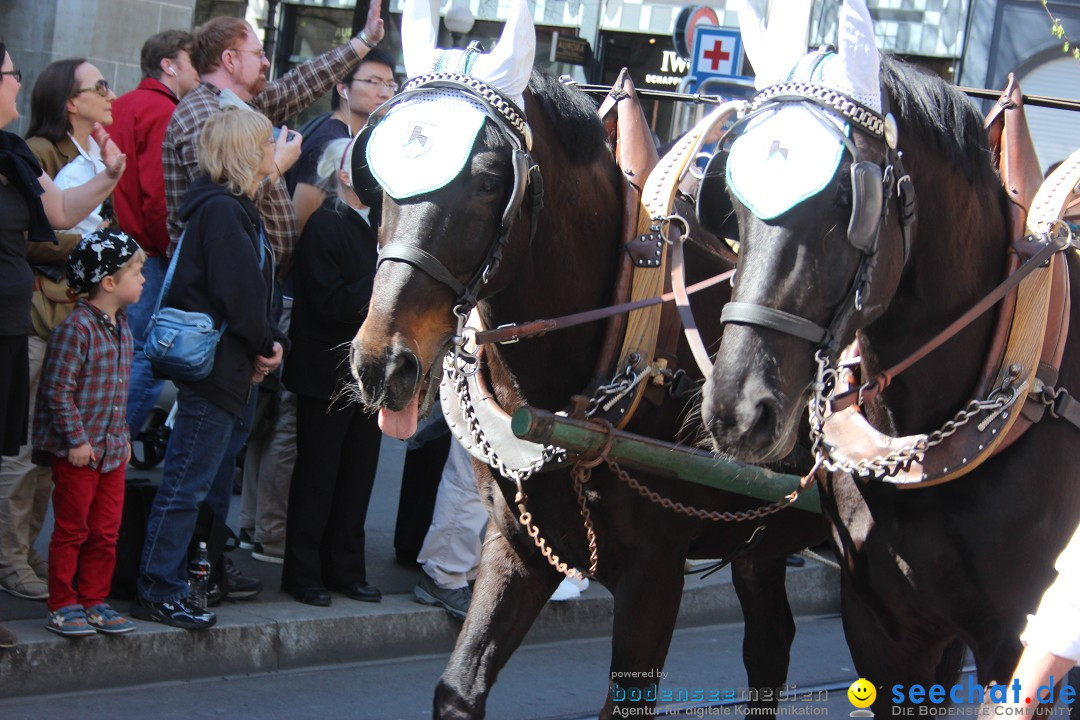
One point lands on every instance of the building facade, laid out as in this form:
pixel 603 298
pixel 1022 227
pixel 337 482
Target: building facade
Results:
pixel 973 43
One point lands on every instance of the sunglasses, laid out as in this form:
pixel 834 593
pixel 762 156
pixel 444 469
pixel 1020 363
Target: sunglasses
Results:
pixel 101 87
pixel 16 73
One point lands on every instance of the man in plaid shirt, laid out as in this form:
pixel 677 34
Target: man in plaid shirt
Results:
pixel 232 65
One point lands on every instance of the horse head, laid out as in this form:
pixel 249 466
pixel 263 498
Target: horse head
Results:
pixel 824 209
pixel 822 176
pixel 454 162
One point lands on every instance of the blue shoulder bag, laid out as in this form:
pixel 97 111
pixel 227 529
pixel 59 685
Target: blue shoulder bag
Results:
pixel 179 344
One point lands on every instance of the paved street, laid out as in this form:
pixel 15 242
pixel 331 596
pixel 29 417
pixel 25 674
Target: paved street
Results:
pixel 563 679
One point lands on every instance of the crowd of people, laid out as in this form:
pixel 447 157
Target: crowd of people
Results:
pixel 189 192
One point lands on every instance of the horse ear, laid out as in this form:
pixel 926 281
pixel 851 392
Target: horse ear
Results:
pixel 418 36
pixel 774 50
pixel 858 52
pixel 509 64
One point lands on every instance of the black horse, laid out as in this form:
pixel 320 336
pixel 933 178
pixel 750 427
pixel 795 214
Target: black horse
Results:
pixel 568 265
pixel 930 568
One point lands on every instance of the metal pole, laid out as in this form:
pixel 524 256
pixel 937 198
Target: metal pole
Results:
pixel 662 458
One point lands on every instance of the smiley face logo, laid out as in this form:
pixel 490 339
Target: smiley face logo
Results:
pixel 862 693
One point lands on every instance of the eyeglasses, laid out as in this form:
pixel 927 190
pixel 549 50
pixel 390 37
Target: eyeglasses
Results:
pixel 391 86
pixel 260 53
pixel 16 73
pixel 101 87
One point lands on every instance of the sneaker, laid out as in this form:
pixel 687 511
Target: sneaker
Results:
pixel 24 583
pixel 8 639
pixel 269 552
pixel 455 602
pixel 567 590
pixel 239 586
pixel 246 539
pixel 38 564
pixel 178 613
pixel 107 621
pixel 582 585
pixel 69 621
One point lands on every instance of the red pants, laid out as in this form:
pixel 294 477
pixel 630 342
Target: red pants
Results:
pixel 87 506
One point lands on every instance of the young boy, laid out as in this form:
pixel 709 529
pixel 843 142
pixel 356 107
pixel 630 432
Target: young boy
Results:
pixel 80 425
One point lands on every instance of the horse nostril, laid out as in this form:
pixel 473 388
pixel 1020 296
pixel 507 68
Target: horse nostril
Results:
pixel 762 430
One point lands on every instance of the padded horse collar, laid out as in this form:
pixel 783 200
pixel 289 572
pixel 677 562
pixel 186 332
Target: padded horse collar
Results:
pixel 871 187
pixel 526 175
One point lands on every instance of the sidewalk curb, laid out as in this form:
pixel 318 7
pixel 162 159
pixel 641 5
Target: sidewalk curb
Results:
pixel 259 637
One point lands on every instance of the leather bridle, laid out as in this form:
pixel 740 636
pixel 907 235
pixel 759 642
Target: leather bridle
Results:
pixel 872 185
pixel 511 121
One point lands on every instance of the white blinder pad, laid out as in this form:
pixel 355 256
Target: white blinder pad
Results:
pixel 424 143
pixel 783 158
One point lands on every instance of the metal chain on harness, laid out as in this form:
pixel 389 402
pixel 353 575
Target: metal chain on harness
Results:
pixel 714 515
pixel 888 465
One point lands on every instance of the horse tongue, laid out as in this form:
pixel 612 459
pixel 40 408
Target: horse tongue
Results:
pixel 400 424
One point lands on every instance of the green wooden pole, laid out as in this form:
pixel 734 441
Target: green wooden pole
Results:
pixel 662 458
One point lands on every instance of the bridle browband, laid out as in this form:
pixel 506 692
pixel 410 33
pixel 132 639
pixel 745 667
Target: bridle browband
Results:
pixel 872 187
pixel 510 119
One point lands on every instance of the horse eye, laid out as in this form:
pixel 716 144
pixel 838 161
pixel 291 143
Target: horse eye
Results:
pixel 489 183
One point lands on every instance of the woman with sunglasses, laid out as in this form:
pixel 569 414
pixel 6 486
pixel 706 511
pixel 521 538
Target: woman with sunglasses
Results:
pixel 31 205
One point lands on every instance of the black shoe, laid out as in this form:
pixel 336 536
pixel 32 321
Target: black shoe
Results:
pixel 214 595
pixel 359 591
pixel 317 596
pixel 239 586
pixel 178 613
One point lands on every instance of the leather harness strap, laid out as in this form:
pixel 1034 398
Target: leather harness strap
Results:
pixel 659 198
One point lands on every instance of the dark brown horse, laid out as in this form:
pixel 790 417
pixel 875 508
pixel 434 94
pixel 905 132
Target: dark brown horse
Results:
pixel 924 569
pixel 568 265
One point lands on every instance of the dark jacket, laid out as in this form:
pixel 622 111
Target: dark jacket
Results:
pixel 335 267
pixel 218 273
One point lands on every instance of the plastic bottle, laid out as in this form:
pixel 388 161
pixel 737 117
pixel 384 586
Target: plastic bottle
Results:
pixel 199 578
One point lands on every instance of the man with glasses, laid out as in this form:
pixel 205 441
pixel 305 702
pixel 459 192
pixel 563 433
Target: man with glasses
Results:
pixel 360 91
pixel 230 60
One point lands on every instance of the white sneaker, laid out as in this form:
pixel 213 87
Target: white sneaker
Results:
pixel 582 585
pixel 567 590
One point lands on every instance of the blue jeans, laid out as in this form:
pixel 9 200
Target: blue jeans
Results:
pixel 144 388
pixel 199 447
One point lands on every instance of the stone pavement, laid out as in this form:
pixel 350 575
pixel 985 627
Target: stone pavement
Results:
pixel 274 632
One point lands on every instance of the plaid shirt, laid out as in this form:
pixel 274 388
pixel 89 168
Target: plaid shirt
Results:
pixel 282 99
pixel 83 392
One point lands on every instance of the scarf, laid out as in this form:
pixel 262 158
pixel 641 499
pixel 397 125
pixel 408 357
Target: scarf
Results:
pixel 22 170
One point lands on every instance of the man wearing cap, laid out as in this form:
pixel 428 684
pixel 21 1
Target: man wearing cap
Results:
pixel 80 426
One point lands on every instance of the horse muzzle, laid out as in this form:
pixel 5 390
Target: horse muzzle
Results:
pixel 391 381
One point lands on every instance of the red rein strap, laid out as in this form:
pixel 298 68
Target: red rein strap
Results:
pixel 509 333
pixel 871 389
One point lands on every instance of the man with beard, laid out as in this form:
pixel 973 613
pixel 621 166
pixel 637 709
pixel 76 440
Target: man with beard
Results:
pixel 230 60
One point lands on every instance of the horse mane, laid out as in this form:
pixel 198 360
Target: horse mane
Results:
pixel 570 114
pixel 929 108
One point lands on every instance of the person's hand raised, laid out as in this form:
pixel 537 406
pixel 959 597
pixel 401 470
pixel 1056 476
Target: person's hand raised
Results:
pixel 287 149
pixel 373 27
pixel 111 156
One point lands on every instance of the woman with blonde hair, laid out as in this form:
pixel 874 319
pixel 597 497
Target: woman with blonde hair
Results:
pixel 222 266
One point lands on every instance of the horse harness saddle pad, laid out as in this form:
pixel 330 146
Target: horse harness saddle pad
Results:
pixel 1030 331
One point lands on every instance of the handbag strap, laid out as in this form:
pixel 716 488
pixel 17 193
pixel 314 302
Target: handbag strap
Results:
pixel 169 274
pixel 176 256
